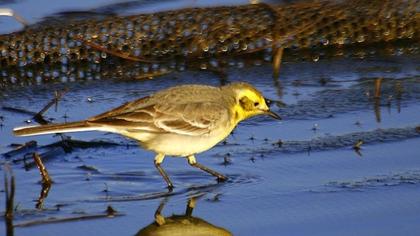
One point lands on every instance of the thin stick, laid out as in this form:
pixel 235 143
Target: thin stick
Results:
pixel 43 195
pixel 46 179
pixel 377 110
pixel 358 144
pixel 153 74
pixel 377 102
pixel 21 148
pixel 10 192
pixel 10 195
pixel 147 196
pixel 55 100
pixel 357 147
pixel 278 55
pixel 378 83
pixel 115 53
pixel 39 117
pixel 19 110
pixel 68 219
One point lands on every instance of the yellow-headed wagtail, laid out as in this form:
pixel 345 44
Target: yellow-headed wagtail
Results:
pixel 179 121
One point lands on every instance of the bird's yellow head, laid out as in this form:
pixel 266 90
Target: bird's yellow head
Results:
pixel 249 102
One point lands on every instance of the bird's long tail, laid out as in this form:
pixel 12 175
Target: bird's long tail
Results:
pixel 54 128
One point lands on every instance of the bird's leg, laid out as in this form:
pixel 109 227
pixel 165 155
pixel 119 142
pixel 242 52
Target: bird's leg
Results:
pixel 193 162
pixel 158 160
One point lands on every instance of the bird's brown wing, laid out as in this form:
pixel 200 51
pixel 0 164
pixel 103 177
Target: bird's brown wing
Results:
pixel 123 109
pixel 187 119
pixel 191 118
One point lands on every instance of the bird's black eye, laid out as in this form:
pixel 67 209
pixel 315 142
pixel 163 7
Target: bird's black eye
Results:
pixel 268 102
pixel 256 104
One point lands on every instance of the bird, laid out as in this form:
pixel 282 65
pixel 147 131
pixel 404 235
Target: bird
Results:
pixel 179 121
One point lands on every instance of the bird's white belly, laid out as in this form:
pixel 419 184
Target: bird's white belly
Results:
pixel 173 144
pixel 182 145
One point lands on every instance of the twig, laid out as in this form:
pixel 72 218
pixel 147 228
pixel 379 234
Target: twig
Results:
pixel 46 179
pixel 10 195
pixel 41 120
pixel 39 116
pixel 21 148
pixel 147 196
pixel 115 53
pixel 378 83
pixel 377 109
pixel 55 100
pixel 46 156
pixel 43 195
pixel 278 55
pixel 10 192
pixel 19 110
pixel 358 146
pixel 57 149
pixel 110 212
pixel 153 74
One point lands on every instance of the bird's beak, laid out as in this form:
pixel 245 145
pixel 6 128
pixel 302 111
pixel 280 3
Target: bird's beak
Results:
pixel 272 114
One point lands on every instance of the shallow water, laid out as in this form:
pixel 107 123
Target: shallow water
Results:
pixel 295 177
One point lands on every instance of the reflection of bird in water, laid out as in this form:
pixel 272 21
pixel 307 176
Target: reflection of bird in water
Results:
pixel 179 121
pixel 184 225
